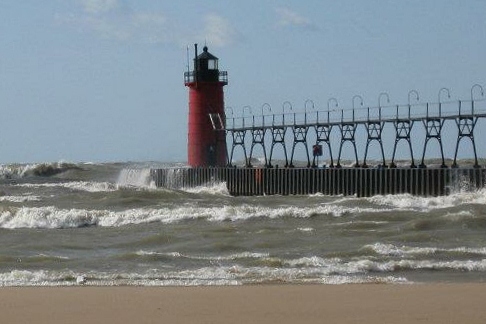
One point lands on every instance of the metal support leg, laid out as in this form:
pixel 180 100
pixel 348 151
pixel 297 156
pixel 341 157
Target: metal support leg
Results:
pixel 348 131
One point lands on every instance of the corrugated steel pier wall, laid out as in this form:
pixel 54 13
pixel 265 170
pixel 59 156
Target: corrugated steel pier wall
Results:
pixel 362 182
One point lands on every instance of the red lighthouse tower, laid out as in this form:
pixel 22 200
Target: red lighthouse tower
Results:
pixel 206 137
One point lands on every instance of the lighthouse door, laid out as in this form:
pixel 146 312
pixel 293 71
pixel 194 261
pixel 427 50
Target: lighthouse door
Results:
pixel 211 153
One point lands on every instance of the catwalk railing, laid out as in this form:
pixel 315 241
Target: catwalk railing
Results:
pixel 314 128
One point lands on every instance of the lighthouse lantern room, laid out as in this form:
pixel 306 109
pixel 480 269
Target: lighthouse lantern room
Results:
pixel 206 144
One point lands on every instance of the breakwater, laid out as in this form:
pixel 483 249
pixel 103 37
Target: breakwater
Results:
pixel 362 182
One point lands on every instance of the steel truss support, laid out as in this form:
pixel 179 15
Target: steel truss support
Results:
pixel 374 130
pixel 465 127
pixel 278 137
pixel 433 128
pixel 238 137
pixel 348 132
pixel 403 130
pixel 258 138
pixel 323 133
pixel 300 136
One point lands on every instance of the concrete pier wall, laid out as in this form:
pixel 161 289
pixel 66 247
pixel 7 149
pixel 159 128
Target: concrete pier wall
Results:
pixel 362 182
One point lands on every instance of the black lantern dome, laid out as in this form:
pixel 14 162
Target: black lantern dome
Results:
pixel 205 69
pixel 206 65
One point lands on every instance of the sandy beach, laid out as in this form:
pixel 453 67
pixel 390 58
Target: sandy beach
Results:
pixel 363 303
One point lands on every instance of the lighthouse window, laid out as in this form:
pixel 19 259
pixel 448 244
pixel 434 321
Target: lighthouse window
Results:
pixel 212 64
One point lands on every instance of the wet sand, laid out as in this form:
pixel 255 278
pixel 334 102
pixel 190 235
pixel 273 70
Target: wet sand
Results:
pixel 360 303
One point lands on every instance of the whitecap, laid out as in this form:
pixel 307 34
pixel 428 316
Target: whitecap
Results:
pixel 212 189
pixel 89 186
pixel 46 217
pixel 53 217
pixel 392 250
pixel 20 199
pixel 410 202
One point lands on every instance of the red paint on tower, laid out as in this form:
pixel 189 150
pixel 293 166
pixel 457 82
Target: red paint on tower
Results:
pixel 206 145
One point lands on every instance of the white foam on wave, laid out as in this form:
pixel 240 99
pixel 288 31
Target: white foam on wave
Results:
pixel 23 170
pixel 303 275
pixel 46 217
pixel 30 278
pixel 197 277
pixel 206 276
pixel 312 269
pixel 214 189
pixel 135 178
pixel 302 270
pixel 52 217
pixel 460 215
pixel 16 170
pixel 235 256
pixel 89 186
pixel 305 229
pixel 243 212
pixel 402 251
pixel 406 264
pixel 337 266
pixel 341 280
pixel 166 254
pixel 20 199
pixel 409 202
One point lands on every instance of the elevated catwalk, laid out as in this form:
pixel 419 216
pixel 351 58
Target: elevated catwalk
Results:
pixel 322 132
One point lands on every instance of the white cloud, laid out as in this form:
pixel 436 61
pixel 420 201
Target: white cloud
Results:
pixel 287 17
pixel 98 6
pixel 107 29
pixel 114 19
pixel 148 19
pixel 218 31
pixel 151 27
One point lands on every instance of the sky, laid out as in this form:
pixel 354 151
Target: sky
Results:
pixel 102 80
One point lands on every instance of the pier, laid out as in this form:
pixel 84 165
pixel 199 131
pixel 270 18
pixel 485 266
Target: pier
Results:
pixel 319 132
pixel 216 133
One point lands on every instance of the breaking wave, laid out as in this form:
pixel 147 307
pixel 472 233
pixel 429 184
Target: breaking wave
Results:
pixel 13 171
pixel 52 217
pixel 226 270
pixel 410 202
